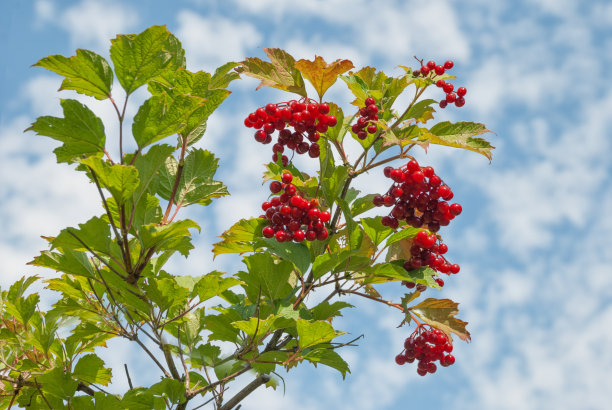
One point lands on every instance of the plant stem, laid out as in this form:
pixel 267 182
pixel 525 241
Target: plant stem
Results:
pixel 248 389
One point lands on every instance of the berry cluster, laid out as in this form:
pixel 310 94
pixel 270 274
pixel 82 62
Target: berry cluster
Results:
pixel 292 217
pixel 437 69
pixel 368 115
pixel 417 196
pixel 427 345
pixel 425 251
pixel 307 118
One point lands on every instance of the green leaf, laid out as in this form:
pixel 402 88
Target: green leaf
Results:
pixel 440 313
pixel 140 398
pixel 173 389
pixel 86 73
pixel 57 383
pixel 326 311
pixel 329 358
pixel 76 263
pixel 240 237
pixel 148 166
pixel 90 369
pixel 166 293
pixel 81 131
pixel 196 184
pixel 363 204
pixel 333 185
pixel 279 73
pixel 23 308
pixel 269 274
pixel 213 284
pixel 405 233
pixel 256 327
pixel 342 124
pixel 326 262
pixel 390 271
pixel 459 135
pixel 297 253
pixel 321 74
pixel 262 364
pixel 223 76
pixel 120 180
pixel 18 288
pixel 95 233
pixel 220 326
pixel 147 212
pixel 162 115
pixel 375 229
pixel 314 333
pixel 421 111
pixel 140 58
pixel 175 236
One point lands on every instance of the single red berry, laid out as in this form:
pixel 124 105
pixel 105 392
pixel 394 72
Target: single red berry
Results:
pixel 260 136
pixel 387 171
pixel 442 248
pixel 412 166
pixel 435 180
pixel 369 101
pixel 440 83
pixel 455 209
pixel 372 128
pixel 281 236
pixel 287 177
pixel 443 191
pixel 261 114
pixel 372 109
pixel 331 121
pixel 313 214
pixel 454 268
pixel 322 235
pixel 378 200
pixel 428 172
pixel 460 102
pixel 449 64
pixel 299 236
pixel 431 65
pixel 448 87
pixel 323 108
pixel 461 91
pixel 440 282
pixel 400 359
pixel 362 135
pixel 268 232
pixel 324 216
pixel 451 97
pixel 439 69
pixel 275 187
pixel 425 70
pixel 443 104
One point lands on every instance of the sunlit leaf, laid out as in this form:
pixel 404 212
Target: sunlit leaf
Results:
pixel 321 74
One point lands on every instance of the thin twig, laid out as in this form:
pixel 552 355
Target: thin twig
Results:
pixel 96 255
pixel 41 393
pixel 127 373
pixel 248 389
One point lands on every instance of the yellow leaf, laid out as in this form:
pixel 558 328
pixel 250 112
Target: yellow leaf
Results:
pixel 321 74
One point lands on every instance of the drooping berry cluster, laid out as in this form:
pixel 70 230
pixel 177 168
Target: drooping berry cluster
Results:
pixel 426 345
pixel 307 118
pixel 293 217
pixel 427 251
pixel 417 196
pixel 368 115
pixel 436 69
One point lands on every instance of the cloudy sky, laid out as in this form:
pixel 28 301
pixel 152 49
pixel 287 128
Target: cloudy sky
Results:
pixel 533 241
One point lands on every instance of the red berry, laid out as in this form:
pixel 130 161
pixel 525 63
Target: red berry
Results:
pixel 400 359
pixel 372 128
pixel 412 166
pixel 461 91
pixel 268 232
pixel 451 97
pixel 324 216
pixel 286 177
pixel 439 69
pixel 454 268
pixel 323 108
pixel 443 104
pixel 428 172
pixel 442 248
pixel 281 236
pixel 460 102
pixel 299 236
pixel 275 187
pixel 331 121
pixel 449 64
pixel 440 83
pixel 425 70
pixel 260 136
pixel 455 209
pixel 440 282
pixel 313 214
pixel 322 235
pixel 369 101
pixel 448 87
pixel 362 135
pixel 431 65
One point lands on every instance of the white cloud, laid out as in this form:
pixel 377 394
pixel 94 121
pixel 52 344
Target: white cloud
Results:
pixel 212 41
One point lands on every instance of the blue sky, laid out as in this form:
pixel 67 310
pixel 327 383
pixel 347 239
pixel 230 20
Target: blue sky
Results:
pixel 533 241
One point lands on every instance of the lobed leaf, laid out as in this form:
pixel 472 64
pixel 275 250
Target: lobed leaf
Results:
pixel 279 73
pixel 459 135
pixel 440 313
pixel 321 74
pixel 86 73
pixel 139 58
pixel 80 131
pixel 241 237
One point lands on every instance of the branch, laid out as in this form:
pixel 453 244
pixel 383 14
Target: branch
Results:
pixel 248 389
